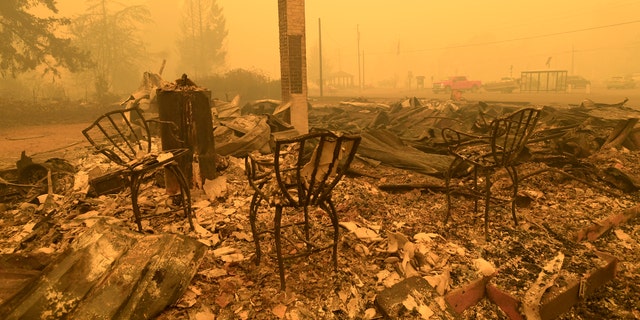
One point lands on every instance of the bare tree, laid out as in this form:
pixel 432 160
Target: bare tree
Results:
pixel 201 45
pixel 110 32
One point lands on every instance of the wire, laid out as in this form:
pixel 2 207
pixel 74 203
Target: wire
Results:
pixel 543 35
pixel 516 39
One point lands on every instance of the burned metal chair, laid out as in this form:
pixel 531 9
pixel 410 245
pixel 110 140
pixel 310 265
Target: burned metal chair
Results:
pixel 124 137
pixel 501 148
pixel 302 172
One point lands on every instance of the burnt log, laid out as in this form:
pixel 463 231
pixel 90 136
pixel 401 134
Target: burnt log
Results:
pixel 620 133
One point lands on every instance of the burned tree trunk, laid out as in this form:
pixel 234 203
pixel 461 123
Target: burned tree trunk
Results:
pixel 188 106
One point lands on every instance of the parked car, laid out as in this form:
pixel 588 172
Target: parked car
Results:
pixel 504 85
pixel 577 82
pixel 619 82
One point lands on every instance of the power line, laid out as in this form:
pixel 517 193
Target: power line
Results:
pixel 542 36
pixel 566 15
pixel 519 39
pixel 504 41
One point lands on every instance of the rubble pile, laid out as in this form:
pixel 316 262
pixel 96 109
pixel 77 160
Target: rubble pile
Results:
pixel 577 207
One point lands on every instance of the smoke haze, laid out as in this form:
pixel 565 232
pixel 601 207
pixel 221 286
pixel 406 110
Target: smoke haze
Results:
pixel 481 39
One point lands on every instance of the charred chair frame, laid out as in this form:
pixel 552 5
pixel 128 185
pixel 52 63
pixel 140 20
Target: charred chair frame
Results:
pixel 299 174
pixel 124 137
pixel 501 148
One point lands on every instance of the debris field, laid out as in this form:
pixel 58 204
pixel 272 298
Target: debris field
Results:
pixel 572 255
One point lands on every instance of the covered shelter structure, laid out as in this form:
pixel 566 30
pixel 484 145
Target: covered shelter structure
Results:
pixel 340 79
pixel 543 81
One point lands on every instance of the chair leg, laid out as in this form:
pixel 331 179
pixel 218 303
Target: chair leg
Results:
pixel 135 187
pixel 253 215
pixel 336 229
pixel 513 173
pixel 185 191
pixel 277 220
pixel 330 209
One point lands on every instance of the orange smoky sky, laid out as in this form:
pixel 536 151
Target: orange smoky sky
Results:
pixel 389 41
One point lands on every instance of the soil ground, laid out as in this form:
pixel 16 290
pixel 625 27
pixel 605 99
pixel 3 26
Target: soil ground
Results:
pixel 40 142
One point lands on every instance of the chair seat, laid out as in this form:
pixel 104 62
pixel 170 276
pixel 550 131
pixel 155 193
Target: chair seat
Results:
pixel 152 161
pixel 479 154
pixel 269 187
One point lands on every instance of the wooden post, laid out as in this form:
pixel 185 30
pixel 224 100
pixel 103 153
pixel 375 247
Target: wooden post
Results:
pixel 188 106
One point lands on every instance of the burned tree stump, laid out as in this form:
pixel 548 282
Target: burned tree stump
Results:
pixel 188 106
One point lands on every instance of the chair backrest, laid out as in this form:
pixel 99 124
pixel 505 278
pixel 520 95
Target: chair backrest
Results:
pixel 308 167
pixel 510 133
pixel 121 135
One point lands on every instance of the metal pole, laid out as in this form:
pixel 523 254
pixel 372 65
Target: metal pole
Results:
pixel 359 79
pixel 320 52
pixel 363 68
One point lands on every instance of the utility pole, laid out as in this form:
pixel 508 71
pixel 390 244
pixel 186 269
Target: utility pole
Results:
pixel 320 52
pixel 359 79
pixel 572 56
pixel 363 68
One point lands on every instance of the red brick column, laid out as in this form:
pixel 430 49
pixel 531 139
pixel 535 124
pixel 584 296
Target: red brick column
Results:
pixel 293 61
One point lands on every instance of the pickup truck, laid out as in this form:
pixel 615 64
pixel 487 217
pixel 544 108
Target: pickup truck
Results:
pixel 456 83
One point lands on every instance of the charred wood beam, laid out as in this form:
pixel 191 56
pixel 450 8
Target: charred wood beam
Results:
pixel 620 133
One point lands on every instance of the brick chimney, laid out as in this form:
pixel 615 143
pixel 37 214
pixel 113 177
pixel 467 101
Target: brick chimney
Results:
pixel 293 61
